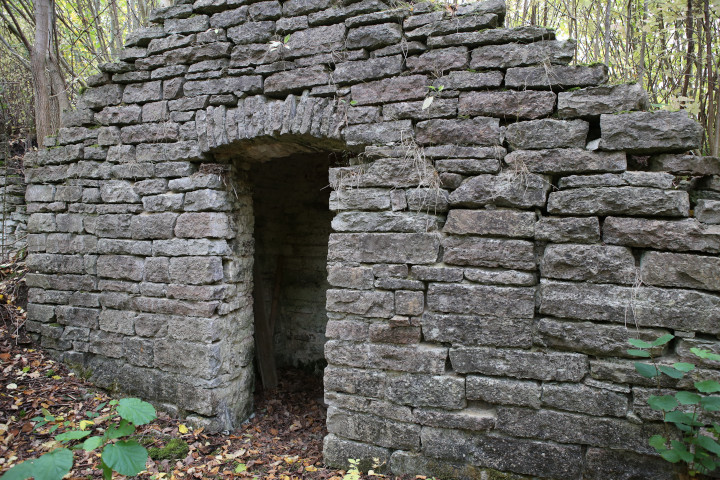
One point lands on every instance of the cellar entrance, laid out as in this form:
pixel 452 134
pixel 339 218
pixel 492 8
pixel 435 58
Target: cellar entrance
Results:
pixel 291 229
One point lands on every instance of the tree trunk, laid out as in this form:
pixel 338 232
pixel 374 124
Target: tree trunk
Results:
pixel 38 55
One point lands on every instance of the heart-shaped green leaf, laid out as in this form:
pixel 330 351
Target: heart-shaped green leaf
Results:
pixel 125 457
pixel 136 411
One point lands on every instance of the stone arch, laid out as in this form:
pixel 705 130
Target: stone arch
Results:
pixel 483 244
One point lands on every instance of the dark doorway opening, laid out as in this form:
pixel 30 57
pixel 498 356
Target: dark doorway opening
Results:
pixel 292 226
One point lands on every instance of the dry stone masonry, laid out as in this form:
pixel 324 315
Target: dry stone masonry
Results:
pixel 472 273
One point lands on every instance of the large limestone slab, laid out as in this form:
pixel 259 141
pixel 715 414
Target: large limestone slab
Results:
pixel 589 263
pixel 527 364
pixel 474 131
pixel 685 164
pixel 503 223
pixel 418 358
pixel 574 428
pixel 416 248
pixel 441 391
pixel 547 133
pixel 518 55
pixel 683 270
pixel 384 172
pixel 635 179
pixel 477 330
pixel 508 189
pixel 509 105
pixel 645 132
pixel 602 340
pixel 515 302
pixel 373 429
pixel 676 235
pixel 489 252
pixel 556 76
pixel 686 310
pixel 567 160
pixel 385 222
pixel 620 201
pixel 595 101
pixel 398 89
pixel 503 391
pixel 529 457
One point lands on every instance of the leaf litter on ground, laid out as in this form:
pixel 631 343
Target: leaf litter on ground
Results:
pixel 41 398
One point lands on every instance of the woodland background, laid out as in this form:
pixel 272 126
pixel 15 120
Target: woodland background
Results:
pixel 47 48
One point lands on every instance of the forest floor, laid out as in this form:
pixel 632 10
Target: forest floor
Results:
pixel 282 440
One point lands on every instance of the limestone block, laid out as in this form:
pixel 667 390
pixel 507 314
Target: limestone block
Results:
pixel 193 24
pixel 590 338
pixel 337 451
pixel 572 160
pixel 478 21
pixel 574 428
pixel 118 191
pixel 477 330
pixel 346 276
pixel 620 201
pixel 584 399
pixel 41 223
pixel 117 321
pixel 650 132
pixel 603 463
pixel 493 36
pixel 503 391
pixel 547 133
pixel 196 181
pixel 686 310
pixel 416 248
pixel 367 383
pixel 409 303
pixel 163 202
pixel 462 80
pixel 685 164
pixel 196 270
pixel 316 40
pixel 437 274
pixel 378 133
pixel 157 269
pixel 518 55
pixel 366 303
pixel 398 89
pixel 477 131
pixel 682 270
pixel 374 36
pixel 530 457
pixel 297 80
pixel 194 246
pixel 589 263
pixel 370 69
pixel 251 32
pixel 124 267
pixel 510 105
pixel 504 190
pixel 500 276
pixel 676 235
pixel 489 252
pixel 555 366
pixel 152 226
pixel 515 302
pixel 121 115
pixel 245 84
pixel 385 222
pixel 99 97
pixel 442 391
pixel 439 108
pixel 203 225
pixel 428 200
pixel 207 199
pixel 708 211
pixel 636 179
pixel 568 229
pixel 556 76
pixel 502 223
pixel 360 199
pixel 595 101
pixel 439 60
pixel 393 333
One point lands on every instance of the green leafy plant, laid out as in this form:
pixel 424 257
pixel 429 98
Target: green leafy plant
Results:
pixel 696 441
pixel 120 452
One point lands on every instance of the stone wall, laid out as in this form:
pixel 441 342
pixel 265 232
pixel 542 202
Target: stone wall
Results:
pixel 491 255
pixel 13 217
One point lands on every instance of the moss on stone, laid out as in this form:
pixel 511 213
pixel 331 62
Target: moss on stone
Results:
pixel 174 450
